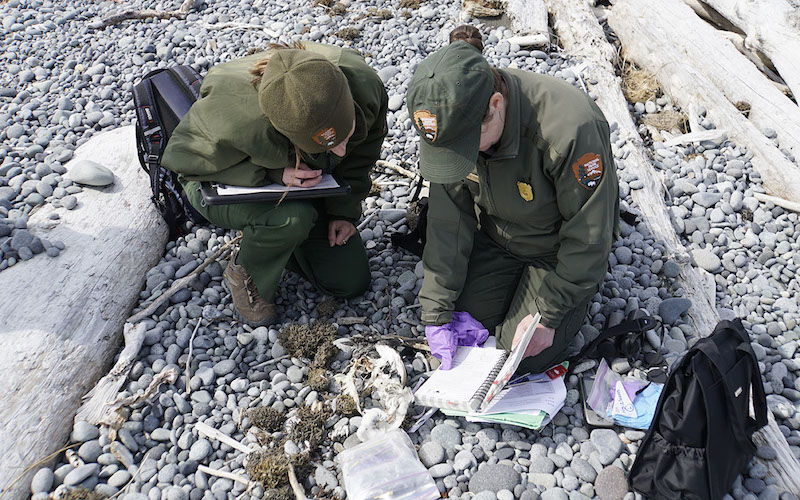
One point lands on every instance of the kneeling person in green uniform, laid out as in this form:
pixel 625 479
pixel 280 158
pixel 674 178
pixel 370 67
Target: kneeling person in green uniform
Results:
pixel 287 116
pixel 524 200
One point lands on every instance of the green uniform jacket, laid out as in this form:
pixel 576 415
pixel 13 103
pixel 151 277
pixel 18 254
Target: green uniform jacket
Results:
pixel 226 138
pixel 547 193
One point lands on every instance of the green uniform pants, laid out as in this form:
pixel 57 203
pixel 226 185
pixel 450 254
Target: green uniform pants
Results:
pixel 292 236
pixel 500 290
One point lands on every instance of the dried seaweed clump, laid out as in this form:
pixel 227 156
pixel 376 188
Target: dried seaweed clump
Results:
pixel 374 189
pixel 266 418
pixel 310 425
pixel 317 379
pixel 338 10
pixel 271 467
pixel 303 341
pixel 327 307
pixel 410 4
pixel 638 85
pixel 81 494
pixel 348 33
pixel 373 13
pixel 324 3
pixel 666 120
pixel 346 405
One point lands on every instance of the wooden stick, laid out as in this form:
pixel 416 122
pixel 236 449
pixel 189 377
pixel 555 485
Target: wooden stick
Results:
pixel 397 168
pixel 213 433
pixel 227 475
pixel 705 135
pixel 189 356
pixel 240 26
pixel 270 361
pixel 95 409
pixel 351 320
pixel 778 202
pixel 299 493
pixel 181 283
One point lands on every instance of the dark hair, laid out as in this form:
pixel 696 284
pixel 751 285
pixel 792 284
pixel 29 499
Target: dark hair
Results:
pixel 472 36
pixel 469 34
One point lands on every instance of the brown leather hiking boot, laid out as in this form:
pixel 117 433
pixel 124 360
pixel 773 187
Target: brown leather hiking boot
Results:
pixel 251 307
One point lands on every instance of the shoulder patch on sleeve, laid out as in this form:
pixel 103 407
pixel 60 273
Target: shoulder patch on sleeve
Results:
pixel 588 170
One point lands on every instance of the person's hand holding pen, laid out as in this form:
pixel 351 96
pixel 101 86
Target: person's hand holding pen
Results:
pixel 301 177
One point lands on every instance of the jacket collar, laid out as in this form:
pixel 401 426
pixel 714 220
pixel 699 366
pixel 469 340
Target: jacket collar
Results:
pixel 508 145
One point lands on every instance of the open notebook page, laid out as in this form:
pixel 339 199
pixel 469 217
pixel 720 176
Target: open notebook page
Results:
pixel 471 367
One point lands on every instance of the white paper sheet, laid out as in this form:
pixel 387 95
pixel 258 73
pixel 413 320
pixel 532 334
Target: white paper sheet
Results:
pixel 327 182
pixel 529 397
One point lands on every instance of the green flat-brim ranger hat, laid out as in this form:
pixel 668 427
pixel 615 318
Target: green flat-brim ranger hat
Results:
pixel 447 99
pixel 307 98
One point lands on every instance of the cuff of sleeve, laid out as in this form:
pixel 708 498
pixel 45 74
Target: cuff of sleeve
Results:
pixel 549 319
pixel 437 319
pixel 275 175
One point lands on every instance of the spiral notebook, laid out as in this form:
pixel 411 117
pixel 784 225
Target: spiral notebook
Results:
pixel 477 375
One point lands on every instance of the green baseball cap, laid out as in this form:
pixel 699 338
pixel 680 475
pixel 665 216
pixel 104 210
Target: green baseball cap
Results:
pixel 307 98
pixel 447 99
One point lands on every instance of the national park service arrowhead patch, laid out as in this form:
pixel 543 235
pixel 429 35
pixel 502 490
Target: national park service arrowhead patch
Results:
pixel 525 190
pixel 588 170
pixel 325 137
pixel 427 124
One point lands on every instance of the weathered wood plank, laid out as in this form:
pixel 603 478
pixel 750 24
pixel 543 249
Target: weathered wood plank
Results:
pixel 62 318
pixel 582 36
pixel 698 67
pixel 773 28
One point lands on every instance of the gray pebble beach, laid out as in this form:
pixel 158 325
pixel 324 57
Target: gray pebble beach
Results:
pixel 65 80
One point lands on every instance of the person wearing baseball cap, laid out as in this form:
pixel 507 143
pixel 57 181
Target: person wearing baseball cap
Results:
pixel 286 116
pixel 524 200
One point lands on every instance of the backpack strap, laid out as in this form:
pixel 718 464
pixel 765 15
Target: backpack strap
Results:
pixel 173 93
pixel 151 129
pixel 639 325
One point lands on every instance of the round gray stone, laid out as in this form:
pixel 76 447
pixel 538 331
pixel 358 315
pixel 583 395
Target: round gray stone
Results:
pixel 611 484
pixel 494 478
pixel 224 367
pixel 200 450
pixel 431 453
pixel 583 470
pixel 446 435
pixel 42 481
pixel 705 259
pixel 671 309
pixel 90 173
pixel 80 474
pixel 84 431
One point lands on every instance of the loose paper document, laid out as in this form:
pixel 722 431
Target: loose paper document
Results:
pixel 327 182
pixel 541 395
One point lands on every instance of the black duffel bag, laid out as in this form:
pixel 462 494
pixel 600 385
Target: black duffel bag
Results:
pixel 699 440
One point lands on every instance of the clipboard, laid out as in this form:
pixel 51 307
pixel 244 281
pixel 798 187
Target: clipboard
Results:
pixel 221 194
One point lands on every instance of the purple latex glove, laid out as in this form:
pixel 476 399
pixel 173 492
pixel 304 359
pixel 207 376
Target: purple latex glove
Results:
pixel 464 330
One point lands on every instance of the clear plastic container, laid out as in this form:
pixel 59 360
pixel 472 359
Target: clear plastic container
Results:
pixel 386 467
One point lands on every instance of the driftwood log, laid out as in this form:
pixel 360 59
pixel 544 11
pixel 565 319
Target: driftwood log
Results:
pixel 697 67
pixel 582 36
pixel 62 318
pixel 772 27
pixel 529 22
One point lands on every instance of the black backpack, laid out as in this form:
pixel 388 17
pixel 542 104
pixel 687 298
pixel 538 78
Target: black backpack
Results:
pixel 161 99
pixel 699 440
